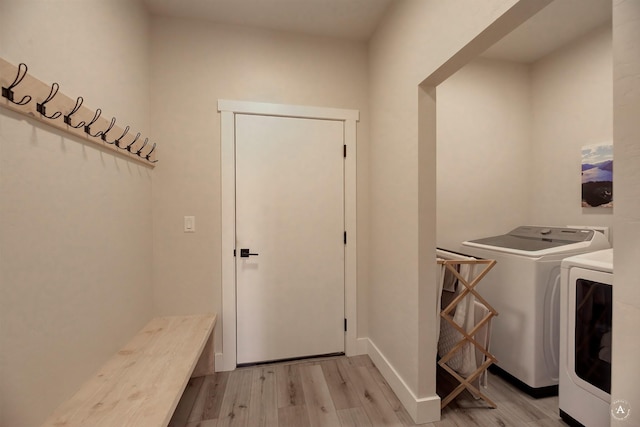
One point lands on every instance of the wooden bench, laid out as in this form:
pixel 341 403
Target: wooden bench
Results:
pixel 140 386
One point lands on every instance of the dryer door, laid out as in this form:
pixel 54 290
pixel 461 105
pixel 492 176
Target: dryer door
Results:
pixel 589 331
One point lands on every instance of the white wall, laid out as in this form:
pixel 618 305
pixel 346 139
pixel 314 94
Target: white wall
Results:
pixel 484 151
pixel 75 234
pixel 572 102
pixel 193 65
pixel 626 176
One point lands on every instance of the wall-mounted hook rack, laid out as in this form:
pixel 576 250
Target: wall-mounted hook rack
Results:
pixel 69 114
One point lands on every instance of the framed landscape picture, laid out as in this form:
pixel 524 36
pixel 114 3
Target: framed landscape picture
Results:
pixel 597 175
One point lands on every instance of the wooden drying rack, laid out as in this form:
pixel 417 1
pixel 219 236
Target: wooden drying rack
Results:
pixel 53 108
pixel 467 337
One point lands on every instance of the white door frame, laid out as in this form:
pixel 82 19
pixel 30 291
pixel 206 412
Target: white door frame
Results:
pixel 228 109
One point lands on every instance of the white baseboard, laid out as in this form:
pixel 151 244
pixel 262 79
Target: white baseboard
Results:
pixel 422 410
pixel 219 361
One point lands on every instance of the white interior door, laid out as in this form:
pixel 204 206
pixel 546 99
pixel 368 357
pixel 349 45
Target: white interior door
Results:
pixel 290 212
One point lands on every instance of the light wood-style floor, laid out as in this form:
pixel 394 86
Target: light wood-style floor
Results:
pixel 340 392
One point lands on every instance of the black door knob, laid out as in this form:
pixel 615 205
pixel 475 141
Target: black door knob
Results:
pixel 246 253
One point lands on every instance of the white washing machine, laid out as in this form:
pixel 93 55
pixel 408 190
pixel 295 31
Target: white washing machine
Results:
pixel 585 334
pixel 524 287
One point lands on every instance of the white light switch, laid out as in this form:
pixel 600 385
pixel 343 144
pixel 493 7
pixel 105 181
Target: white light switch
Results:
pixel 189 224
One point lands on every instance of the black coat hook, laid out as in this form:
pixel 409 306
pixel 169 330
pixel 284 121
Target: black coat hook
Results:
pixel 117 141
pixel 148 156
pixel 67 118
pixel 129 147
pixel 87 127
pixel 41 107
pixel 7 92
pixel 104 133
pixel 139 152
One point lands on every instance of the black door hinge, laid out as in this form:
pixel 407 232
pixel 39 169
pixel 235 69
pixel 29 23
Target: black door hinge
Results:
pixel 345 325
pixel 344 150
pixel 345 237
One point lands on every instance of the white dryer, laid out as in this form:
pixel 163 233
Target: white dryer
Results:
pixel 585 336
pixel 524 287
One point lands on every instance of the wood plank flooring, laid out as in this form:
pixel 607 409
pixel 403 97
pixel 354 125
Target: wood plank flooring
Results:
pixel 341 392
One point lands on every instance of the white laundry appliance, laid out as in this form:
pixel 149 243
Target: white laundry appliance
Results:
pixel 524 287
pixel 585 336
